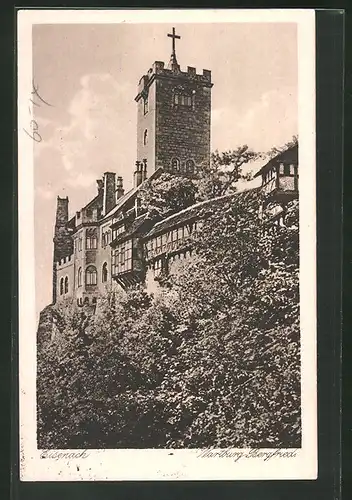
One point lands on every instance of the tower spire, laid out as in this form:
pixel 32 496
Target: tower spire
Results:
pixel 173 64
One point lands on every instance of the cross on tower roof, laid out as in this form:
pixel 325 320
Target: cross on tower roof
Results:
pixel 174 37
pixel 173 61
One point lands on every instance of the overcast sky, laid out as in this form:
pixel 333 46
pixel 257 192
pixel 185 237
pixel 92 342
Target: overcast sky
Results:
pixel 89 75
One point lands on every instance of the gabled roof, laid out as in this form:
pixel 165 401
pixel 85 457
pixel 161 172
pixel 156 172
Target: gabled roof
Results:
pixel 289 155
pixel 190 213
pixel 120 203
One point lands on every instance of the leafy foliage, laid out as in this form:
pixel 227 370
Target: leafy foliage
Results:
pixel 224 171
pixel 213 360
pixel 277 150
pixel 167 195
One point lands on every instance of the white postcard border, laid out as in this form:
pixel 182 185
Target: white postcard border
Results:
pixel 167 464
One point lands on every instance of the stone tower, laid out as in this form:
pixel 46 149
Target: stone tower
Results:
pixel 173 117
pixel 63 243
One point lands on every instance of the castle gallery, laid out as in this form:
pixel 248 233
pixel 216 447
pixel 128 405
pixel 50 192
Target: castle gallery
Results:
pixel 110 241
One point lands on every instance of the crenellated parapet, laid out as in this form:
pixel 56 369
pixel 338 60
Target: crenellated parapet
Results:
pixel 64 262
pixel 159 71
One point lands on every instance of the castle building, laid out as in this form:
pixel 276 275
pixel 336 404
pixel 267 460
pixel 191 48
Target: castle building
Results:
pixel 110 241
pixel 102 243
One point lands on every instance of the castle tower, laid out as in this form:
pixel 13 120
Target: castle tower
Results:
pixel 63 243
pixel 173 117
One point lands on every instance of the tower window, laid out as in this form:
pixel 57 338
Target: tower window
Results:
pixel 182 100
pixel 175 165
pixel 104 273
pixel 145 137
pixel 91 275
pixel 145 105
pixel 66 284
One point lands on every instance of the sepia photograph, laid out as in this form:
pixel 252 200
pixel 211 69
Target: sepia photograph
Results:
pixel 167 244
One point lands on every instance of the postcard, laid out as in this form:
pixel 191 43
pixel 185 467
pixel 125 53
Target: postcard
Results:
pixel 167 244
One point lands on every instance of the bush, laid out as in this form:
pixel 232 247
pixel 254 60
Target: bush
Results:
pixel 214 360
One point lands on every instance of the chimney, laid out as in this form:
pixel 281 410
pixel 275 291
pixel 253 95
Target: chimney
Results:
pixel 119 188
pixel 144 169
pixel 137 176
pixel 100 185
pixel 109 192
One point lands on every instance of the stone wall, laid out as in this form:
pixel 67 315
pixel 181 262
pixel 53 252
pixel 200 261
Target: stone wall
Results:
pixel 146 122
pixel 65 269
pixel 173 130
pixel 182 132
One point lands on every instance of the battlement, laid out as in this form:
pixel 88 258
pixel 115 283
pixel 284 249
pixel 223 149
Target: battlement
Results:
pixel 158 70
pixel 64 261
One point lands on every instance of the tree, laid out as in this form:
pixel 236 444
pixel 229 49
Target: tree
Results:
pixel 224 170
pixel 214 360
pixel 86 390
pixel 278 150
pixel 240 314
pixel 167 195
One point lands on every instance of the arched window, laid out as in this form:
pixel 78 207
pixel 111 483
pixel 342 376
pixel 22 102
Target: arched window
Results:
pixel 61 286
pixel 91 239
pixel 66 284
pixel 145 137
pixel 190 166
pixel 104 273
pixel 91 275
pixel 175 165
pixel 79 277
